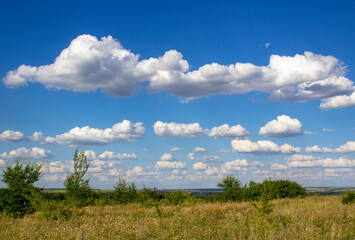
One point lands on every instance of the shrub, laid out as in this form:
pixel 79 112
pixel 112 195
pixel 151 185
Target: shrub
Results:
pixel 287 189
pixel 20 178
pixel 178 197
pixel 78 190
pixel 232 190
pixel 348 197
pixel 277 188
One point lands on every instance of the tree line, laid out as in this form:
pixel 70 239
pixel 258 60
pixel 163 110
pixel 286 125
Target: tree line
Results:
pixel 22 197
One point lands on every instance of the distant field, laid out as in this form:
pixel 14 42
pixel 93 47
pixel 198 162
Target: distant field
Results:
pixel 315 217
pixel 329 190
pixel 211 191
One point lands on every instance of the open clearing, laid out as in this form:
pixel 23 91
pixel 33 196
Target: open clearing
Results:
pixel 316 217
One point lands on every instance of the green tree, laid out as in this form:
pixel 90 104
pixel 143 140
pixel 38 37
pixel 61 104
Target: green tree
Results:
pixel 78 190
pixel 232 190
pixel 20 178
pixel 124 192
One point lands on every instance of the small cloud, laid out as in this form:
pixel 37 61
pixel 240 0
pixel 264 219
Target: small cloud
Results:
pixel 176 149
pixel 166 157
pixel 283 126
pixel 144 150
pixel 11 136
pixel 199 150
pixel 267 45
pixel 328 130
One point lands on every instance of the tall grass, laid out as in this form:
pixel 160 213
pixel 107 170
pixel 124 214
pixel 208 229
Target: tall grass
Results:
pixel 317 217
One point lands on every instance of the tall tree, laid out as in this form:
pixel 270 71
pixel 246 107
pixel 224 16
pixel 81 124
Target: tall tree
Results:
pixel 78 189
pixel 232 190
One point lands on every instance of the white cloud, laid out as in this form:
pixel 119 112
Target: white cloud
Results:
pixel 293 79
pixel 2 163
pixel 11 136
pixel 178 129
pixel 103 163
pixel 236 165
pixel 267 45
pixel 136 171
pixel 168 165
pixel 262 147
pixel 89 64
pixel 36 137
pixel 199 150
pixel 284 126
pixel 317 149
pixel 200 166
pixel 348 147
pixel 257 164
pixel 58 167
pixel 176 149
pixel 225 131
pixel 108 155
pixel 337 172
pixel 54 177
pixel 166 157
pixel 91 155
pixel 86 65
pixel 341 101
pixel 300 161
pixel 209 159
pixel 115 172
pixel 34 153
pixel 124 131
pixel 206 158
pixel 328 130
pixel 276 166
pixel 191 156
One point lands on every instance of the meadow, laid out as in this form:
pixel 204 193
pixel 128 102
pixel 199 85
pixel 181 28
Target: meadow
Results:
pixel 312 217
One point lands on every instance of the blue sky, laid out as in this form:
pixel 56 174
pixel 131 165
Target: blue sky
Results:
pixel 147 88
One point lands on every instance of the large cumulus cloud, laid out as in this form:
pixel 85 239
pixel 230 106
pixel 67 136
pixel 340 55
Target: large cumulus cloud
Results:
pixel 89 64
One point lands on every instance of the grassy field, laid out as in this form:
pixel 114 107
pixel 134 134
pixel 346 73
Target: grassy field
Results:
pixel 316 217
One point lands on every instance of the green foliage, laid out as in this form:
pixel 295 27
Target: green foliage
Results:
pixel 178 197
pixel 20 178
pixel 278 189
pixel 125 193
pixel 253 192
pixel 51 209
pixel 264 206
pixel 150 197
pixel 78 190
pixel 348 197
pixel 232 190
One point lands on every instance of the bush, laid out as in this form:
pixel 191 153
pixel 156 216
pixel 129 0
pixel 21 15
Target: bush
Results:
pixel 232 190
pixel 178 197
pixel 20 178
pixel 78 190
pixel 277 188
pixel 348 197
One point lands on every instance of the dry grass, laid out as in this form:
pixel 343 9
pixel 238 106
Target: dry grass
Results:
pixel 310 218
